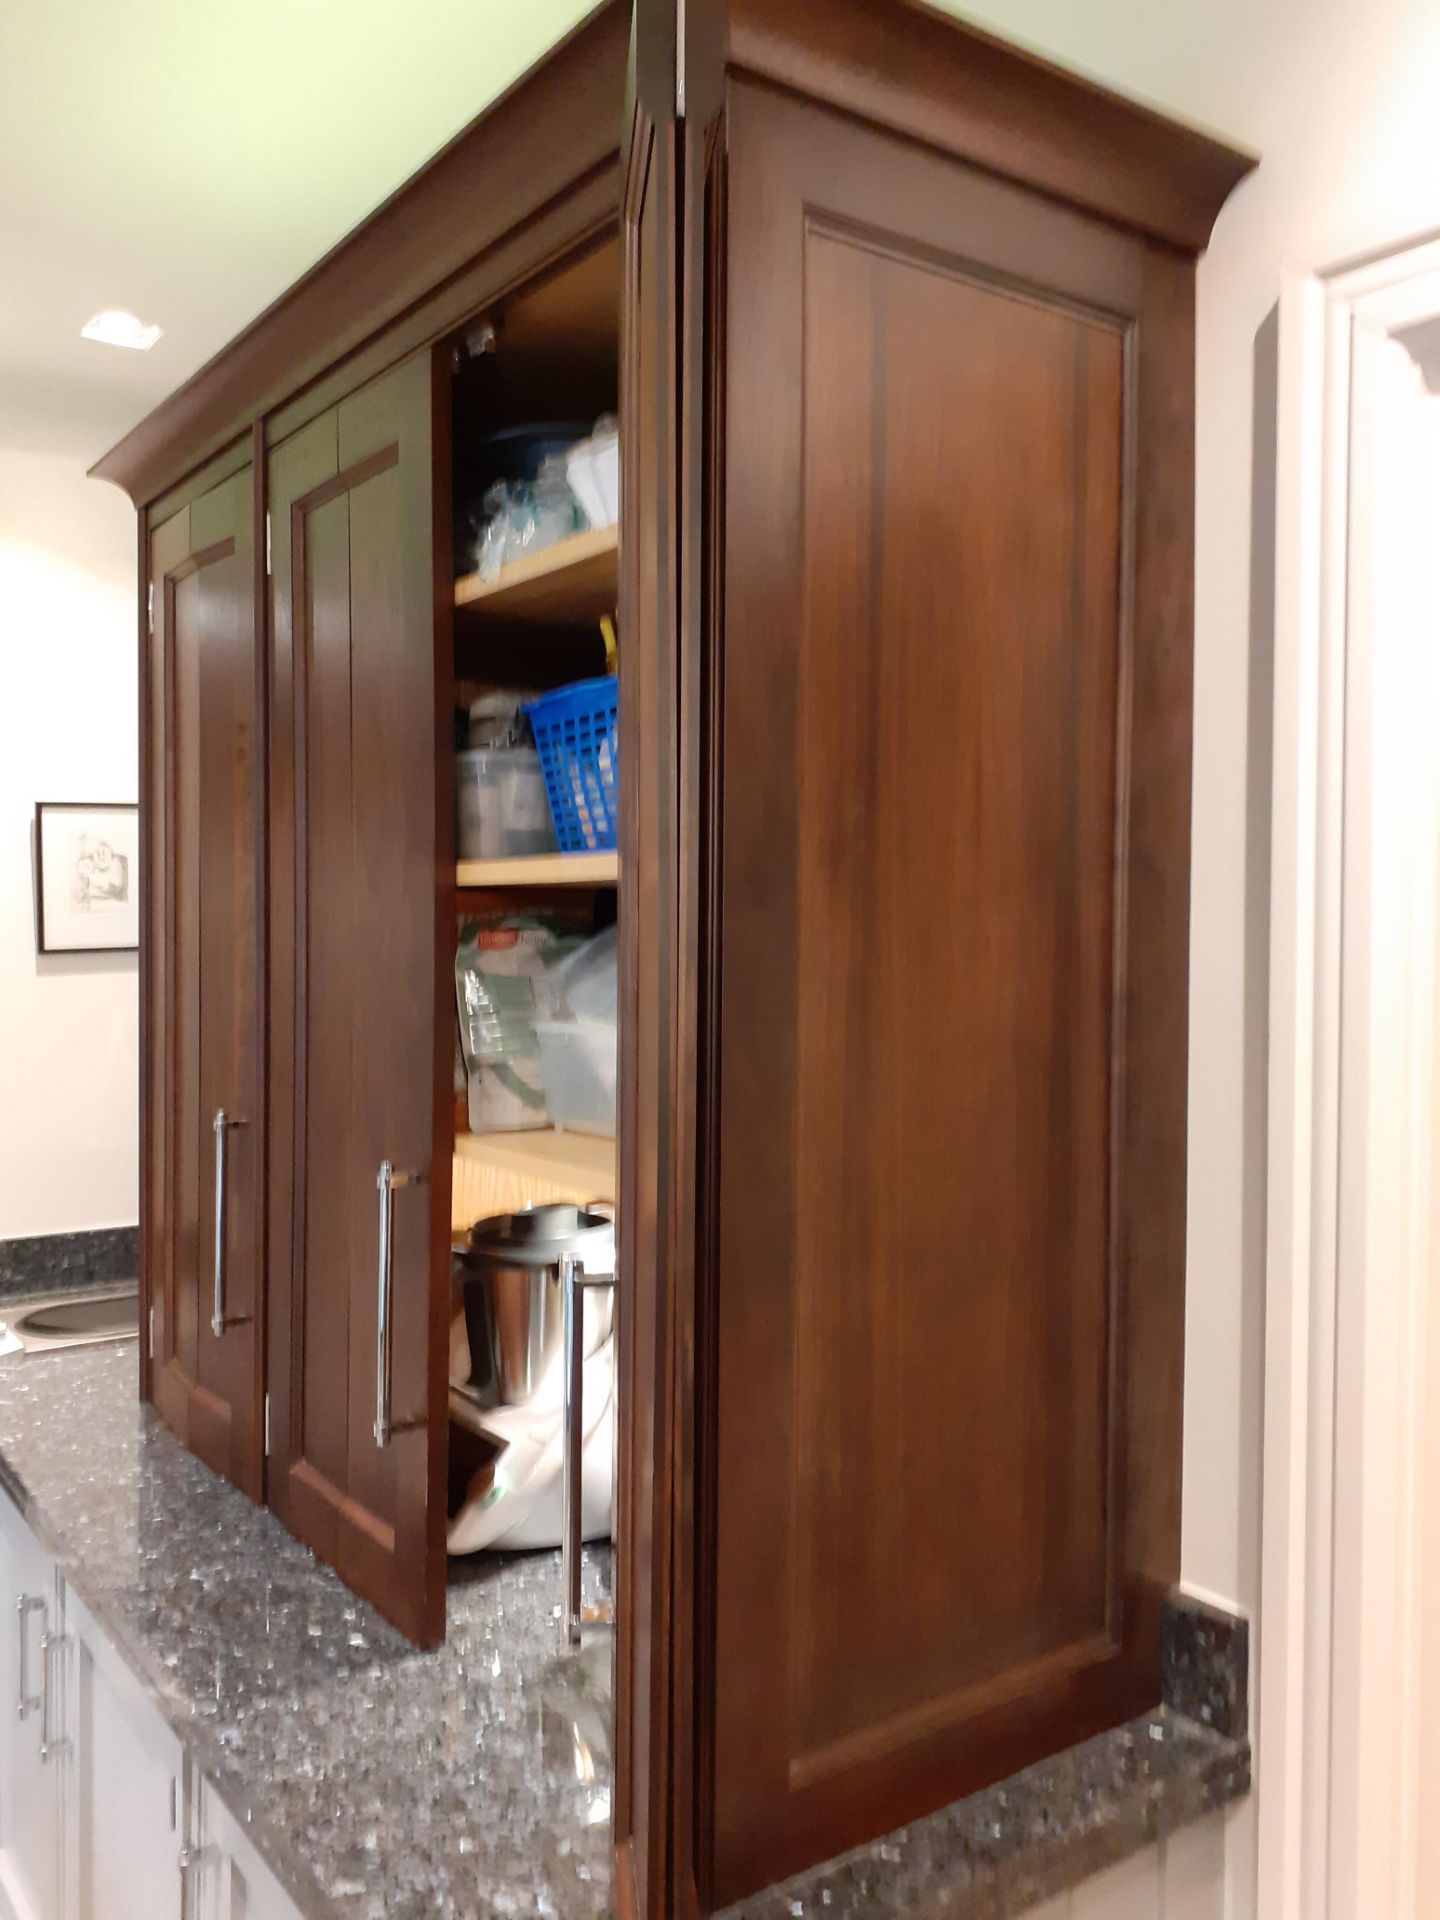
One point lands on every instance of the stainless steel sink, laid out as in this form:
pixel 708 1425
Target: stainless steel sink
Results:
pixel 75 1319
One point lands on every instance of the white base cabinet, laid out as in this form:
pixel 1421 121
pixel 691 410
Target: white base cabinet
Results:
pixel 123 1783
pixel 30 1657
pixel 103 1815
pixel 233 1882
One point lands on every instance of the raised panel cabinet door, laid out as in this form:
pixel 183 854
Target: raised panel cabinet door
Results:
pixel 942 1166
pixel 123 1802
pixel 361 1020
pixel 203 1290
pixel 30 1726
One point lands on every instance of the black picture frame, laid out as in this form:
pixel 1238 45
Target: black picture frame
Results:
pixel 113 900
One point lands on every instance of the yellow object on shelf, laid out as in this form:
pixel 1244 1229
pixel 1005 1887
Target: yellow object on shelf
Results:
pixel 541 870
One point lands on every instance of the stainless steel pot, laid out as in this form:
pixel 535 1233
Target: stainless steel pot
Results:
pixel 508 1270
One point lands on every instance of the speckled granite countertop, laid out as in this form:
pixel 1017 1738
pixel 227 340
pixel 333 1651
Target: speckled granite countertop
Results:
pixel 1003 1851
pixel 380 1783
pixel 473 1783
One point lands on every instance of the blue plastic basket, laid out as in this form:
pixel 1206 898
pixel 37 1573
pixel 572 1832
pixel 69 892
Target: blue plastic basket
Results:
pixel 577 733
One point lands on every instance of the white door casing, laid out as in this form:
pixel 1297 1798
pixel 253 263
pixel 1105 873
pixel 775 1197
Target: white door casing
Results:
pixel 1356 812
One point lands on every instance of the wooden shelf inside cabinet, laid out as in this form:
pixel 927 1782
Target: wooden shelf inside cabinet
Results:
pixel 542 870
pixel 571 583
pixel 580 1160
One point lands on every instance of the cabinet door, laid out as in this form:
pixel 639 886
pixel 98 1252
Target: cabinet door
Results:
pixel 918 1279
pixel 234 1882
pixel 29 1773
pixel 650 1127
pixel 124 1771
pixel 362 1008
pixel 202 1135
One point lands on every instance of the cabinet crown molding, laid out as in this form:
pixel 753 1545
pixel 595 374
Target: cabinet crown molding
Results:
pixel 941 81
pixel 899 65
pixel 486 182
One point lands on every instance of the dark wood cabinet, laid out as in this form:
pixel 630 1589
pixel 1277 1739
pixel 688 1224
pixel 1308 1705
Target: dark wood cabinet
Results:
pixel 657 1153
pixel 906 374
pixel 204 1141
pixel 933 1305
pixel 926 588
pixel 359 954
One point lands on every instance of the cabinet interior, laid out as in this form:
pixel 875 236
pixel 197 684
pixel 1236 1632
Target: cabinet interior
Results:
pixel 549 353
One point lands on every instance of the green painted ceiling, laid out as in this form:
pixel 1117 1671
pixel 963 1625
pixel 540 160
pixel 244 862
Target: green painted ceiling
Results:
pixel 188 159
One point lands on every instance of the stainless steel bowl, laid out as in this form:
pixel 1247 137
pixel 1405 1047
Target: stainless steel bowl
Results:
pixel 75 1319
pixel 508 1271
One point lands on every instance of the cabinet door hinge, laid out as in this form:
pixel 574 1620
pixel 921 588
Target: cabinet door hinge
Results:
pixel 267 1426
pixel 268 568
pixel 150 608
pixel 680 6
pixel 151 1333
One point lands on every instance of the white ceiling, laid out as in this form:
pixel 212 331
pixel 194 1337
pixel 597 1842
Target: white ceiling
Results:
pixel 188 159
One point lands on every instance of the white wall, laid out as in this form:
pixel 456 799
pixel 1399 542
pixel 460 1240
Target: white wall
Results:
pixel 1427 1781
pixel 68 1023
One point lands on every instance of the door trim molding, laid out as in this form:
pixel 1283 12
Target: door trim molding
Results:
pixel 1351 1085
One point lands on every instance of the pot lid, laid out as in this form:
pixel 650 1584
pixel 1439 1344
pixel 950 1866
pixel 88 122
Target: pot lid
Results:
pixel 536 1236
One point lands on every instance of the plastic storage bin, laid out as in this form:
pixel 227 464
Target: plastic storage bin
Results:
pixel 577 1060
pixel 593 470
pixel 577 736
pixel 501 806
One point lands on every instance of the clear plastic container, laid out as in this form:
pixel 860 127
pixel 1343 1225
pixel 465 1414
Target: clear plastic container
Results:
pixel 589 979
pixel 556 511
pixel 495 719
pixel 578 1062
pixel 501 812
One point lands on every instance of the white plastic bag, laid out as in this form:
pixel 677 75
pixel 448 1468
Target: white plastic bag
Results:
pixel 507 976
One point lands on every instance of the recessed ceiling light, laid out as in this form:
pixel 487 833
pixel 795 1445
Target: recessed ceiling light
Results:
pixel 116 328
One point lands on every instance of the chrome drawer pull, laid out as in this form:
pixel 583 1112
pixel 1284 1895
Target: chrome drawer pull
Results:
pixel 50 1645
pixel 27 1702
pixel 222 1123
pixel 386 1182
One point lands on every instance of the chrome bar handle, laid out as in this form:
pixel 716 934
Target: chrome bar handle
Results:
pixel 572 1280
pixel 50 1645
pixel 222 1124
pixel 386 1181
pixel 26 1702
pixel 573 1284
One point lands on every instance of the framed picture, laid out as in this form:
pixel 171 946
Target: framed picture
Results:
pixel 87 877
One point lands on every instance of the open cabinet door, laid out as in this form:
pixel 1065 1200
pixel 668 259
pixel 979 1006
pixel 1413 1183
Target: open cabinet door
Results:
pixel 672 383
pixel 360 1021
pixel 656 1187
